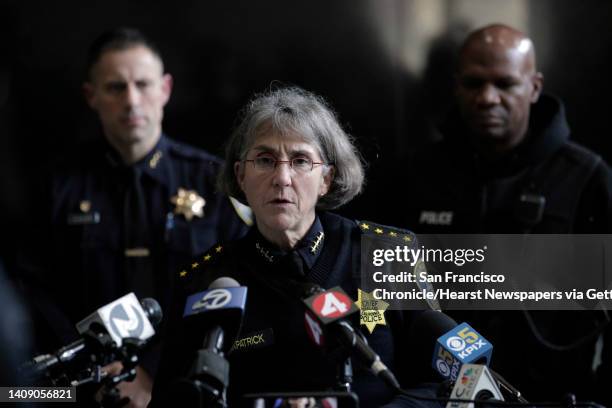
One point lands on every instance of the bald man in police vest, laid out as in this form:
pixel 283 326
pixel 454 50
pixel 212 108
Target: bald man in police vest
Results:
pixel 507 165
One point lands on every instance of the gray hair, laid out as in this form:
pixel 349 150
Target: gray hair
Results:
pixel 293 110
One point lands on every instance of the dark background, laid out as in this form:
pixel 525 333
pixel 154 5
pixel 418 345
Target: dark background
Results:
pixel 385 65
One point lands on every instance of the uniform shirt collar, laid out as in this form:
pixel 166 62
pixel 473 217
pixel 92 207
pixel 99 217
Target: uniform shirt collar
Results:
pixel 154 164
pixel 308 248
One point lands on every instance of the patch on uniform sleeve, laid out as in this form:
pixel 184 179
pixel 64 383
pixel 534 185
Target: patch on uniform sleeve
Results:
pixel 423 283
pixel 389 238
pixel 244 211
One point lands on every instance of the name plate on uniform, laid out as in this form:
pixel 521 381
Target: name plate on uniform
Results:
pixel 137 252
pixel 83 219
pixel 255 340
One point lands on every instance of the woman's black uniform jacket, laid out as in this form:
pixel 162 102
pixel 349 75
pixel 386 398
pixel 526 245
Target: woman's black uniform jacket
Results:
pixel 286 360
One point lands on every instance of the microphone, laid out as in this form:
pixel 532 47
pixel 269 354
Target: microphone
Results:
pixel 153 311
pixel 219 311
pixel 104 331
pixel 475 382
pixel 460 345
pixel 124 318
pixel 329 309
pixel 454 347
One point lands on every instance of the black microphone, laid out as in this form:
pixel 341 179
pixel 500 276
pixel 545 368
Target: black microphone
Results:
pixel 103 331
pixel 153 311
pixel 423 335
pixel 426 332
pixel 217 312
pixel 330 308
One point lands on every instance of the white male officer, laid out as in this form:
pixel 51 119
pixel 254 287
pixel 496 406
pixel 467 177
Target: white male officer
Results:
pixel 134 207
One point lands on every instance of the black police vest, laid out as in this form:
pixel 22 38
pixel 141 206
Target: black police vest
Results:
pixel 552 190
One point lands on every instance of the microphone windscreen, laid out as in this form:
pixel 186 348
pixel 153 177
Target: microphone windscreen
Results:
pixel 153 310
pixel 424 332
pixel 430 325
pixel 224 282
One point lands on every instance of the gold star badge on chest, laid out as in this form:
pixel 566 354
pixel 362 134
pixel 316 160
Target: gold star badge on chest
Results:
pixel 372 310
pixel 189 203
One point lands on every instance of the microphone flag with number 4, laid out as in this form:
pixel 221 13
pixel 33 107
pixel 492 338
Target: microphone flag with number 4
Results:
pixel 326 307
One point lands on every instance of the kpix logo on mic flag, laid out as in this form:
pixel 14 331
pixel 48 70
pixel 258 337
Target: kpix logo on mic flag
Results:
pixel 456 343
pixel 461 345
pixel 216 299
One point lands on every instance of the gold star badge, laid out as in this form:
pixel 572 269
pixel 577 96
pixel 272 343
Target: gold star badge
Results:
pixel 85 206
pixel 188 203
pixel 372 310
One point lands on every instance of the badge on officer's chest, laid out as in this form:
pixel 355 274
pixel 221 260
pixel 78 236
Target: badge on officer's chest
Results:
pixel 372 310
pixel 189 203
pixel 85 216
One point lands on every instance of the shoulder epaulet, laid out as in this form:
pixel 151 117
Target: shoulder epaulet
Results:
pixel 581 154
pixel 211 256
pixel 408 238
pixel 384 231
pixel 190 152
pixel 244 211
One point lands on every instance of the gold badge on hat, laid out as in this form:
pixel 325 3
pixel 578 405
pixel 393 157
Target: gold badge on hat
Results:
pixel 189 203
pixel 371 310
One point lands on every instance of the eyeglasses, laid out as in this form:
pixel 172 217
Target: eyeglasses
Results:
pixel 267 164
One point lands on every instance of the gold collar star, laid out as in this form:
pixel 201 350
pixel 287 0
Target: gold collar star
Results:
pixel 188 203
pixel 372 310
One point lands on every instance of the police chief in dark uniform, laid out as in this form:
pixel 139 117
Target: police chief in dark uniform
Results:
pixel 133 206
pixel 291 161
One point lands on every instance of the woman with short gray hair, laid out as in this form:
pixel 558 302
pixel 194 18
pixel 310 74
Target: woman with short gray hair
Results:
pixel 290 161
pixel 294 110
